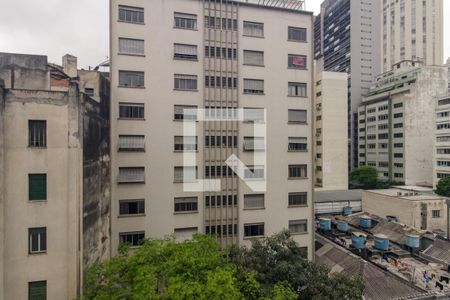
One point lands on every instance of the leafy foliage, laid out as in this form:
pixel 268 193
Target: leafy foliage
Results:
pixel 443 187
pixel 365 178
pixel 273 268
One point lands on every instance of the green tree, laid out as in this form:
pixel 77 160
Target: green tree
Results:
pixel 279 260
pixel 364 178
pixel 443 187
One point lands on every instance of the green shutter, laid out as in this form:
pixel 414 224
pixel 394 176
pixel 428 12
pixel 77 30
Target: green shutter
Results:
pixel 37 186
pixel 37 290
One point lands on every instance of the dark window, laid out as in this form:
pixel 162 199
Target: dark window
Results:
pixel 298 199
pixel 297 171
pixel 253 230
pixel 37 187
pixel 131 14
pixel 132 207
pixel 298 144
pixel 89 92
pixel 37 240
pixel 297 34
pixel 37 290
pixel 37 133
pixel 296 61
pixel 131 110
pixel 133 79
pixel 185 21
pixel 186 204
pixel 132 238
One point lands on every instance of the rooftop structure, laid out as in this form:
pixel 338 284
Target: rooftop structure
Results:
pixel 287 4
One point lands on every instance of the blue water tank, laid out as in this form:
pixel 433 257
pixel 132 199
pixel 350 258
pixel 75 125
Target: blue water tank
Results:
pixel 325 224
pixel 412 241
pixel 359 240
pixel 348 210
pixel 365 222
pixel 381 242
pixel 342 226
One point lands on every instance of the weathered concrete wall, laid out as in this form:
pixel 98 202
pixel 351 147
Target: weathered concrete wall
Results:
pixel 96 175
pixel 20 71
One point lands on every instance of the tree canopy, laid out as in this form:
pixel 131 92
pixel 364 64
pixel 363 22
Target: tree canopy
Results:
pixel 272 268
pixel 364 177
pixel 443 187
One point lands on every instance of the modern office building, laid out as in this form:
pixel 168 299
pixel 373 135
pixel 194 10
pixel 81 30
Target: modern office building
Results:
pixel 330 131
pixel 413 30
pixel 347 39
pixel 170 61
pixel 54 177
pixel 397 123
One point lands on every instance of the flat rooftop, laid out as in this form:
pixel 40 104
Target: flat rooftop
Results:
pixel 409 193
pixel 337 196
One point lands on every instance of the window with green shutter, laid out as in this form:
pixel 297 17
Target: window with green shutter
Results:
pixel 37 290
pixel 37 187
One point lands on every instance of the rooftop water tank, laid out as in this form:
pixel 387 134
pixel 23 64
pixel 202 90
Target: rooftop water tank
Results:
pixel 365 222
pixel 348 210
pixel 325 224
pixel 381 242
pixel 342 226
pixel 412 241
pixel 359 240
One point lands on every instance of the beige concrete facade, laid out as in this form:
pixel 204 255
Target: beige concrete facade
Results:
pixel 158 27
pixel 422 210
pixel 441 151
pixel 413 30
pixel 331 125
pixel 33 90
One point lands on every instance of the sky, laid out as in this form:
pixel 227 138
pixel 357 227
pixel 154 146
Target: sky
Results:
pixel 81 28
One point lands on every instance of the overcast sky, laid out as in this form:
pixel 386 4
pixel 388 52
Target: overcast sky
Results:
pixel 79 27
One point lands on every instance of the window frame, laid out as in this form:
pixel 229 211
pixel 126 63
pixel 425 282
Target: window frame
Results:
pixel 185 16
pixel 185 205
pixel 246 54
pixel 41 131
pixel 43 193
pixel 298 122
pixel 42 240
pixel 138 240
pixel 132 85
pixel 290 39
pixel 299 87
pixel 251 236
pixel 139 10
pixel 180 56
pixel 259 207
pixel 41 294
pixel 244 33
pixel 299 222
pixel 178 78
pixel 291 64
pixel 131 53
pixel 292 203
pixel 138 207
pixel 132 106
pixel 302 168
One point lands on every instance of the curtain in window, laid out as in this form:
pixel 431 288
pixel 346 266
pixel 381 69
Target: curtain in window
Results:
pixel 131 142
pixel 254 29
pixel 188 51
pixel 253 201
pixel 185 82
pixel 254 58
pixel 253 86
pixel 129 175
pixel 131 46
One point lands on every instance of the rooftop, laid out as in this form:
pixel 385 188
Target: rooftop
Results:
pixel 285 4
pixel 409 193
pixel 337 196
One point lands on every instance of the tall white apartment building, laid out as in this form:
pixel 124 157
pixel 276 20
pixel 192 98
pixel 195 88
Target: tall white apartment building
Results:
pixel 442 142
pixel 413 30
pixel 397 123
pixel 330 131
pixel 170 60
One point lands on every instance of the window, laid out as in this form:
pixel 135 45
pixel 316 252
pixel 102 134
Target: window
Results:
pixel 296 61
pixel 185 143
pixel 254 144
pixel 132 207
pixel 131 143
pixel 298 171
pixel 185 112
pixel 184 234
pixel 133 238
pixel 131 175
pixel 298 226
pixel 183 51
pixel 37 187
pixel 297 34
pixel 399 115
pixel 254 201
pixel 185 82
pixel 298 199
pixel 298 144
pixel 253 29
pixel 297 89
pixel 37 290
pixel 254 115
pixel 37 240
pixel 220 23
pixel 252 230
pixel 255 58
pixel 186 204
pixel 297 116
pixel 131 46
pixel 131 111
pixel 131 14
pixel 185 21
pixel 185 174
pixel 253 86
pixel 89 92
pixel 220 52
pixel 436 214
pixel 131 79
pixel 398 105
pixel 37 134
pixel 254 172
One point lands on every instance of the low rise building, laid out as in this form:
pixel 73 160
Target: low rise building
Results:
pixel 396 123
pixel 416 207
pixel 54 177
pixel 330 128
